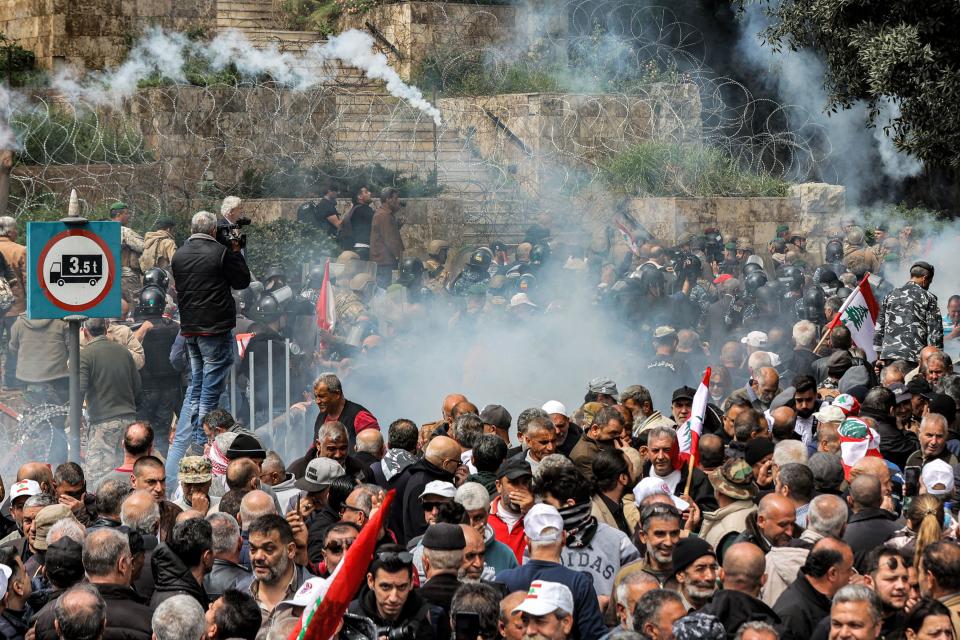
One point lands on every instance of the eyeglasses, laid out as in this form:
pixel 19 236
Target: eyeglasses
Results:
pixel 339 546
pixel 350 507
pixel 403 556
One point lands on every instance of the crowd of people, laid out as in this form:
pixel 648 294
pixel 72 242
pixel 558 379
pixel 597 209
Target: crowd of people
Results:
pixel 818 500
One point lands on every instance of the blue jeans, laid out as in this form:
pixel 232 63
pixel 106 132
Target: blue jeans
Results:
pixel 210 359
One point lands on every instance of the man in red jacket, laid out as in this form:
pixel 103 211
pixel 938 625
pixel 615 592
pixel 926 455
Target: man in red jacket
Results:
pixel 508 508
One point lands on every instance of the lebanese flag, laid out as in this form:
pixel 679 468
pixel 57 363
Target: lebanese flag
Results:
pixel 243 341
pixel 628 237
pixel 326 309
pixel 859 314
pixel 857 440
pixel 321 620
pixel 688 435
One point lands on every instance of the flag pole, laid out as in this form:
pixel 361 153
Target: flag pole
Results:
pixel 686 487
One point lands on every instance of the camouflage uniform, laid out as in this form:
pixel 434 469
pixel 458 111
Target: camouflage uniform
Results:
pixel 131 247
pixel 435 278
pixel 466 279
pixel 909 321
pixel 102 444
pixel 349 310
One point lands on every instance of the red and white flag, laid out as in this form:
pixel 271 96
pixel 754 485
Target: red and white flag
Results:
pixel 857 440
pixel 859 314
pixel 326 309
pixel 243 341
pixel 688 435
pixel 628 238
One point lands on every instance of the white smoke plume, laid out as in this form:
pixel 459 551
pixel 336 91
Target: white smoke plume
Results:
pixel 896 163
pixel 165 53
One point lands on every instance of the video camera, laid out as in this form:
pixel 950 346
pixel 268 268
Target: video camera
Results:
pixel 405 632
pixel 229 233
pixel 713 246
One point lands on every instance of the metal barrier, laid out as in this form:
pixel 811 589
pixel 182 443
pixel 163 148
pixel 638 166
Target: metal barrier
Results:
pixel 249 366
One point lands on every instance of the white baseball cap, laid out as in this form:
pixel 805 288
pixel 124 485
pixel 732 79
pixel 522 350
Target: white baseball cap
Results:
pixel 546 597
pixel 25 488
pixel 521 299
pixel 439 488
pixel 5 573
pixel 937 473
pixel 552 406
pixel 830 413
pixel 755 339
pixel 650 486
pixel 540 518
pixel 307 594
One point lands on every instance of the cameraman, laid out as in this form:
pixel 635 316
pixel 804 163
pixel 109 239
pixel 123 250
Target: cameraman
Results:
pixel 205 271
pixel 390 601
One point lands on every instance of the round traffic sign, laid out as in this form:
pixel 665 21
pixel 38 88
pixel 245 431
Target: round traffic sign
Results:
pixel 76 270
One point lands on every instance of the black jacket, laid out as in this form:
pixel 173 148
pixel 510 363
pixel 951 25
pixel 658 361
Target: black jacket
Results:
pixel 438 592
pixel 895 445
pixel 801 607
pixel 733 608
pixel 128 616
pixel 866 530
pixel 13 626
pixel 753 535
pixel 317 527
pixel 225 574
pixel 421 473
pixel 205 271
pixel 415 612
pixel 173 578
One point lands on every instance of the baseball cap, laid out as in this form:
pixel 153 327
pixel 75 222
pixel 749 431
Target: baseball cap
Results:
pixel 308 593
pixel 683 393
pixel 652 486
pixel 663 331
pixel 246 446
pixel 942 404
pixel 520 299
pixel 25 488
pixel 497 416
pixel 830 413
pixel 46 518
pixel 734 480
pixel 320 472
pixel 64 562
pixel 553 406
pixel 513 468
pixel 195 470
pixel 689 550
pixel 754 339
pixel 5 573
pixel 937 477
pixel 439 488
pixel 540 518
pixel 546 597
pixel 605 386
pixel 900 392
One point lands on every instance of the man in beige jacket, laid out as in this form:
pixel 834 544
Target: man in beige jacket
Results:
pixel 735 490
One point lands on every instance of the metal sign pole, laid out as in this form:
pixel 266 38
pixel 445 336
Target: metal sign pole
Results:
pixel 73 353
pixel 233 391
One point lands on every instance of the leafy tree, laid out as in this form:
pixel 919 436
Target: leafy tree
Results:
pixel 906 50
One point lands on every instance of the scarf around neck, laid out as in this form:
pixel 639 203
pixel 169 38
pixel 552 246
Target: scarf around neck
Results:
pixel 579 524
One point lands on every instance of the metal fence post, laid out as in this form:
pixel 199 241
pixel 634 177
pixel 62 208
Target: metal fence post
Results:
pixel 253 419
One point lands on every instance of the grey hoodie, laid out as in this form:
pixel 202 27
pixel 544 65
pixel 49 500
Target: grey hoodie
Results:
pixel 43 348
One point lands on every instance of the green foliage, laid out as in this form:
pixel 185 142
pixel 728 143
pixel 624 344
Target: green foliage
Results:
pixel 322 15
pixel 55 136
pixel 296 181
pixel 662 169
pixel 288 243
pixel 908 51
pixel 18 66
pixel 198 71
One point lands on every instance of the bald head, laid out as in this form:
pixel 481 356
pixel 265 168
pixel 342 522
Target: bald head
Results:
pixel 450 402
pixel 370 441
pixel 926 352
pixel 462 407
pixel 39 472
pixel 768 376
pixel 508 604
pixel 243 474
pixel 189 514
pixel 871 465
pixel 865 492
pixel 743 567
pixel 254 505
pixel 140 511
pixel 442 448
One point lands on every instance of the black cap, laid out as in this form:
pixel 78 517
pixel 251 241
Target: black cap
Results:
pixel 918 386
pixel 688 551
pixel 923 265
pixel 942 404
pixel 683 393
pixel 757 449
pixel 64 562
pixel 513 468
pixel 497 416
pixel 444 537
pixel 858 391
pixel 246 446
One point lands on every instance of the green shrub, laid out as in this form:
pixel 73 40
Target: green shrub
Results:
pixel 663 169
pixel 18 66
pixel 55 136
pixel 288 243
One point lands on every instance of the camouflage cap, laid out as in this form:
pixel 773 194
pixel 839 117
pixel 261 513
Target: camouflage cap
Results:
pixel 744 244
pixel 735 480
pixel 195 470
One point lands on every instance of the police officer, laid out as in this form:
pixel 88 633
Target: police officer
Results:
pixel 476 271
pixel 411 278
pixel 436 265
pixel 909 319
pixel 160 396
pixel 271 315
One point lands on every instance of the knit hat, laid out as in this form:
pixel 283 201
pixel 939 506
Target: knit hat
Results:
pixel 698 626
pixel 757 449
pixel 689 550
pixel 246 446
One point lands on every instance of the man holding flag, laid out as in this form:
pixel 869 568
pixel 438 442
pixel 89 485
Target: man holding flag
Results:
pixel 909 318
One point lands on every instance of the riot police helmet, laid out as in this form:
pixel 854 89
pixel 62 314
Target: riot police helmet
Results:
pixel 151 302
pixel 157 277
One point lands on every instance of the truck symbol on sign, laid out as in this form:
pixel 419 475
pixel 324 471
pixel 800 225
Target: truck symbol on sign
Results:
pixel 78 268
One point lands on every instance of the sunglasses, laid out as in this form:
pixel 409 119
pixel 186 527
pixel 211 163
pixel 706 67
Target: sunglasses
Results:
pixel 403 556
pixel 431 506
pixel 339 546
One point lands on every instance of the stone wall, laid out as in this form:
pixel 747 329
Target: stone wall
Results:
pixel 416 28
pixel 542 137
pixel 95 33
